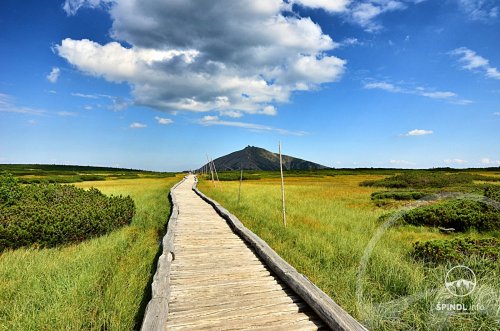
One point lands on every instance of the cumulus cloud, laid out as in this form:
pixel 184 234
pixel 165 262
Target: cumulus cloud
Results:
pixel 137 125
pixel 418 132
pixel 214 120
pixel 232 57
pixel 470 60
pixel 421 91
pixel 162 120
pixel 54 75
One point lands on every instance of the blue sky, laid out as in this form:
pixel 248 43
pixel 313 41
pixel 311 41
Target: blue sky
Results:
pixel 158 84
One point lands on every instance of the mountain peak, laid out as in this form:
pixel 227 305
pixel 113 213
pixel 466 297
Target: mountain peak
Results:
pixel 256 158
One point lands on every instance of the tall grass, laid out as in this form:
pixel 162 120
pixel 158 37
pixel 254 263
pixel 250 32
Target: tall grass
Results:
pixel 99 284
pixel 330 222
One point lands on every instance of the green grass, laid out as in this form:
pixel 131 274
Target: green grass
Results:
pixel 99 284
pixel 330 223
pixel 43 173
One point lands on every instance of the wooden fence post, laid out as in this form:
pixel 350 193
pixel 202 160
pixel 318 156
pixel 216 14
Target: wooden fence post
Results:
pixel 282 186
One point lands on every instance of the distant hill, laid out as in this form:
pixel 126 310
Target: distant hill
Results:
pixel 255 158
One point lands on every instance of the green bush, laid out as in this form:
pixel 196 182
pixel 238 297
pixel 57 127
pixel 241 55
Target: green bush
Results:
pixel 423 179
pixel 9 189
pixel 398 195
pixel 492 192
pixel 456 250
pixel 459 214
pixel 47 215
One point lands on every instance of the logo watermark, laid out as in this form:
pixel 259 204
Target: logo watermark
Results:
pixel 460 281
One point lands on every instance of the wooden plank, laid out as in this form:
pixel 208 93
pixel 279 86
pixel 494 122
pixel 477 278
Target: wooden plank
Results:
pixel 331 313
pixel 248 300
pixel 214 279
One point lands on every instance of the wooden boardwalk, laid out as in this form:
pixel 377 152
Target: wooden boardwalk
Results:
pixel 218 283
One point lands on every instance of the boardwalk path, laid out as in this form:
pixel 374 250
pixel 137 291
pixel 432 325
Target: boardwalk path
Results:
pixel 217 282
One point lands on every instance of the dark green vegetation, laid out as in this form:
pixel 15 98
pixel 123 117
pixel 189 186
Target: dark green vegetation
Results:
pixel 44 173
pixel 429 180
pixel 457 250
pixel 47 215
pixel 459 214
pixel 492 192
pixel 98 284
pixel 398 195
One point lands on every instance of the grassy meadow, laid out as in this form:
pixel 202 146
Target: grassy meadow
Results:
pixel 98 284
pixel 330 222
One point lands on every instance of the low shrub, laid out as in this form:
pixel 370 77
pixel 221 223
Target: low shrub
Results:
pixel 492 192
pixel 47 215
pixel 456 250
pixel 88 178
pixel 422 179
pixel 398 195
pixel 459 214
pixel 60 179
pixel 9 189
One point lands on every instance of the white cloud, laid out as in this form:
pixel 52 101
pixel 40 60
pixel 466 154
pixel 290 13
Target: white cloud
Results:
pixel 88 96
pixel 137 125
pixel 418 132
pixel 455 161
pixel 117 103
pixel 401 162
pixel 88 107
pixel 229 57
pixel 72 6
pixel 382 86
pixel 351 42
pixel 7 104
pixel 162 120
pixel 496 113
pixel 489 161
pixel 479 10
pixel 472 61
pixel 421 91
pixel 493 73
pixel 365 13
pixel 439 95
pixel 214 120
pixel 54 75
pixel 332 6
pixel 66 113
